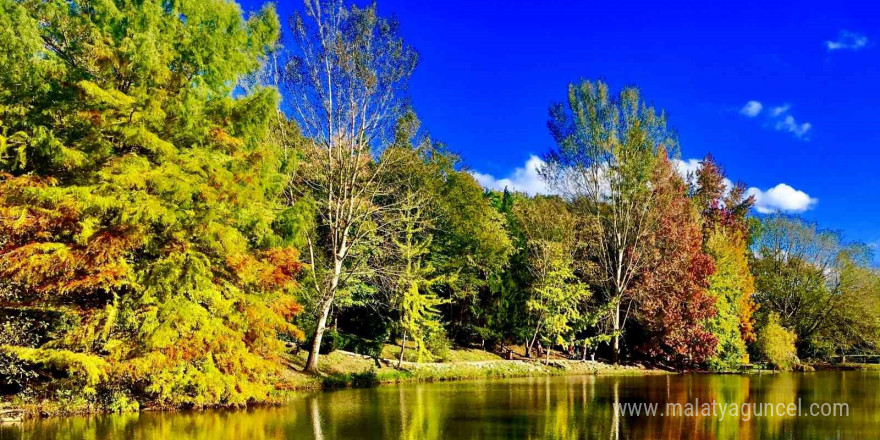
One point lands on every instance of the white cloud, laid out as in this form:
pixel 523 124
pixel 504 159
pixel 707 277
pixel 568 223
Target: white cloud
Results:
pixel 780 119
pixel 780 110
pixel 781 197
pixel 847 40
pixel 751 109
pixel 790 125
pixel 687 167
pixel 524 179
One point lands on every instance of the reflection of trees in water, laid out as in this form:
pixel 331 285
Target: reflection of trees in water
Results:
pixel 571 407
pixel 420 415
pixel 257 424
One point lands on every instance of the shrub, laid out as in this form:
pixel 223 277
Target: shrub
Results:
pixel 359 345
pixel 438 344
pixel 776 344
pixel 364 380
pixel 332 341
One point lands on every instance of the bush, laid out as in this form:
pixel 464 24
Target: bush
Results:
pixel 438 344
pixel 776 344
pixel 364 380
pixel 356 344
pixel 331 341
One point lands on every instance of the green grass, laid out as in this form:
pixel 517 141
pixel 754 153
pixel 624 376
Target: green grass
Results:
pixel 455 355
pixel 340 369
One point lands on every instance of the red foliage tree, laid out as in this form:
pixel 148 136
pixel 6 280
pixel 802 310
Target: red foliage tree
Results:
pixel 725 209
pixel 673 305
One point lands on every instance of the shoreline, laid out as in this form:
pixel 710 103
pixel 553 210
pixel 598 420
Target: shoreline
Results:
pixel 358 371
pixel 349 370
pixel 372 372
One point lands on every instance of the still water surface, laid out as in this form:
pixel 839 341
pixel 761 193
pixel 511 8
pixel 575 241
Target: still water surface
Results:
pixel 556 407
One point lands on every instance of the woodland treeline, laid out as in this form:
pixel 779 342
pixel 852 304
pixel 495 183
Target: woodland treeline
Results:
pixel 185 201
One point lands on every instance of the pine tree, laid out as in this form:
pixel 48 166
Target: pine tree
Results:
pixel 138 207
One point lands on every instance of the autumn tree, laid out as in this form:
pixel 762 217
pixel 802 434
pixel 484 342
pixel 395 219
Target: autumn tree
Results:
pixel 673 304
pixel 345 82
pixel 605 156
pixel 777 344
pixel 140 249
pixel 724 207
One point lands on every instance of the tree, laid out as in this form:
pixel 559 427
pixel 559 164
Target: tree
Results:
pixel 557 301
pixel 798 272
pixel 854 325
pixel 557 297
pixel 138 202
pixel 673 304
pixel 777 344
pixel 416 302
pixel 725 238
pixel 731 286
pixel 472 247
pixel 721 203
pixel 345 83
pixel 406 270
pixel 605 153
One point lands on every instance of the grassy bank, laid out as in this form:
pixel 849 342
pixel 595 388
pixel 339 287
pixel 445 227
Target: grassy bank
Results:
pixel 341 369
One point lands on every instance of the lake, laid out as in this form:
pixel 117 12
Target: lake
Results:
pixel 550 407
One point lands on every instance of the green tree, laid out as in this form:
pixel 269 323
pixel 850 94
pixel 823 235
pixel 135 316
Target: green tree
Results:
pixel 415 174
pixel 605 153
pixel 138 201
pixel 854 324
pixel 557 298
pixel 417 303
pixel 799 271
pixel 472 247
pixel 345 81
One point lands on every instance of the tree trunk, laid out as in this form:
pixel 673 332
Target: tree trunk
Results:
pixel 402 349
pixel 584 354
pixel 314 352
pixel 312 362
pixel 547 359
pixel 615 352
pixel 531 344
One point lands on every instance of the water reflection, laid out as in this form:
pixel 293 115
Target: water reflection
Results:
pixel 561 407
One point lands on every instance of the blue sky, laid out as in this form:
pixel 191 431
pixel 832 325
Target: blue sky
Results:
pixel 490 69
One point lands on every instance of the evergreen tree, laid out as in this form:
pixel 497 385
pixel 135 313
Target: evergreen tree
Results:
pixel 138 201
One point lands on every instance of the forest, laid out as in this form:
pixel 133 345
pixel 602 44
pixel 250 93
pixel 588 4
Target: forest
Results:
pixel 188 201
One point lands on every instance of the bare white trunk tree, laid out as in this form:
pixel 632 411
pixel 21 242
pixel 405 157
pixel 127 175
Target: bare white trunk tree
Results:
pixel 606 148
pixel 345 85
